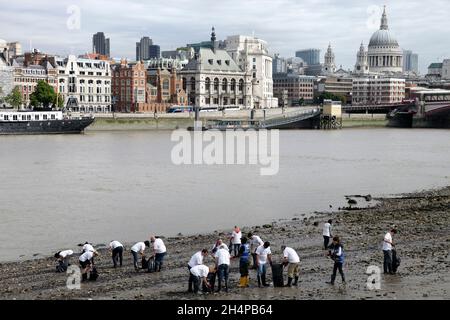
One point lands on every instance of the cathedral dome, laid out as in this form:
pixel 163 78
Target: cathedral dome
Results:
pixel 382 38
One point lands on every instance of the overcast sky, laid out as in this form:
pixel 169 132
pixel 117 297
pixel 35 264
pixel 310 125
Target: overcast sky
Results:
pixel 287 25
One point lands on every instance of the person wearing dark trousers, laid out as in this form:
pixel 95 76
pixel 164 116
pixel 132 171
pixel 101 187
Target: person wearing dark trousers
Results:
pixel 255 242
pixel 327 233
pixel 263 255
pixel 159 250
pixel 196 260
pixel 223 267
pixel 63 260
pixel 388 245
pixel 86 261
pixel 337 254
pixel 199 274
pixel 116 249
pixel 244 260
pixel 138 248
pixel 235 238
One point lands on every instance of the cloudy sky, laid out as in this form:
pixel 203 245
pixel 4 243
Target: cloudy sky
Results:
pixel 64 27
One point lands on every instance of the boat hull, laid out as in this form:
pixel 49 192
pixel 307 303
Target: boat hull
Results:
pixel 66 126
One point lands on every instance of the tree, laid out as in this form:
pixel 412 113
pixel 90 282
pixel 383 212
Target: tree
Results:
pixel 1 95
pixel 328 96
pixel 14 98
pixel 43 95
pixel 59 101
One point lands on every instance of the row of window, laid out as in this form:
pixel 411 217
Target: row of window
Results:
pixel 28 117
pixel 128 74
pixel 225 101
pixel 33 80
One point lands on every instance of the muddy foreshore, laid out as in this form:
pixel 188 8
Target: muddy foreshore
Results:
pixel 423 243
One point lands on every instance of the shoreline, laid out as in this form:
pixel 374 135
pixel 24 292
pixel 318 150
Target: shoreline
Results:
pixel 423 245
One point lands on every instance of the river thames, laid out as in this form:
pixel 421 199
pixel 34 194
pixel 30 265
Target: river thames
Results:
pixel 58 191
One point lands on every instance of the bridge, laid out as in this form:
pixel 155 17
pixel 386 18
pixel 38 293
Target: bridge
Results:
pixel 376 108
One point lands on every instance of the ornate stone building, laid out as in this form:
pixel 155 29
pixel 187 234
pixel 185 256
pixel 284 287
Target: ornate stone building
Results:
pixel 329 67
pixel 384 52
pixel 362 61
pixel 214 78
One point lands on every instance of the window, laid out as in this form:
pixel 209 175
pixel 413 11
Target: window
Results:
pixel 14 117
pixel 166 84
pixel 192 84
pixel 216 84
pixel 241 85
pixel 53 117
pixel 207 84
pixel 36 117
pixel 233 85
pixel 44 117
pixel 224 85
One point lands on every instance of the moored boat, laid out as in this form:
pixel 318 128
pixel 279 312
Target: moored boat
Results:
pixel 42 122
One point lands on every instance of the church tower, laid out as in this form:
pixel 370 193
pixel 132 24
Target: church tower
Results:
pixel 329 66
pixel 362 62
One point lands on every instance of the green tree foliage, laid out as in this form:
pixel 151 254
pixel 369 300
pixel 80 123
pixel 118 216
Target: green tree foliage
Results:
pixel 43 96
pixel 14 98
pixel 328 96
pixel 59 103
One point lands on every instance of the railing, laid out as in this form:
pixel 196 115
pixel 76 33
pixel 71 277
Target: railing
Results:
pixel 290 118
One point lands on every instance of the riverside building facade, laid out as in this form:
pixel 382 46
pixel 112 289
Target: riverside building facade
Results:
pixel 212 77
pixel 84 83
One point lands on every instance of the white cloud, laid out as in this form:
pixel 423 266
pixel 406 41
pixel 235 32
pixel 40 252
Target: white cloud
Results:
pixel 287 25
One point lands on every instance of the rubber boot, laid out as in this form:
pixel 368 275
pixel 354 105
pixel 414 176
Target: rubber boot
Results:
pixel 289 284
pixel 259 281
pixel 295 281
pixel 241 282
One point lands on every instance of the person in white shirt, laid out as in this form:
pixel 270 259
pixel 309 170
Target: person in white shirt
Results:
pixel 196 260
pixel 116 249
pixel 86 263
pixel 87 247
pixel 216 246
pixel 199 274
pixel 327 233
pixel 255 242
pixel 263 255
pixel 387 251
pixel 292 260
pixel 63 260
pixel 235 238
pixel 159 251
pixel 222 266
pixel 138 248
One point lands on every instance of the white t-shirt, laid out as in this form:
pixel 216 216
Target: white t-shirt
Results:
pixel 138 247
pixel 236 237
pixel 115 244
pixel 387 246
pixel 222 256
pixel 262 254
pixel 65 253
pixel 88 255
pixel 159 246
pixel 196 260
pixel 256 241
pixel 327 229
pixel 291 255
pixel 200 271
pixel 88 247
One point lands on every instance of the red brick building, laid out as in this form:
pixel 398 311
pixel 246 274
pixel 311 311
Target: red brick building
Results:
pixel 128 86
pixel 136 89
